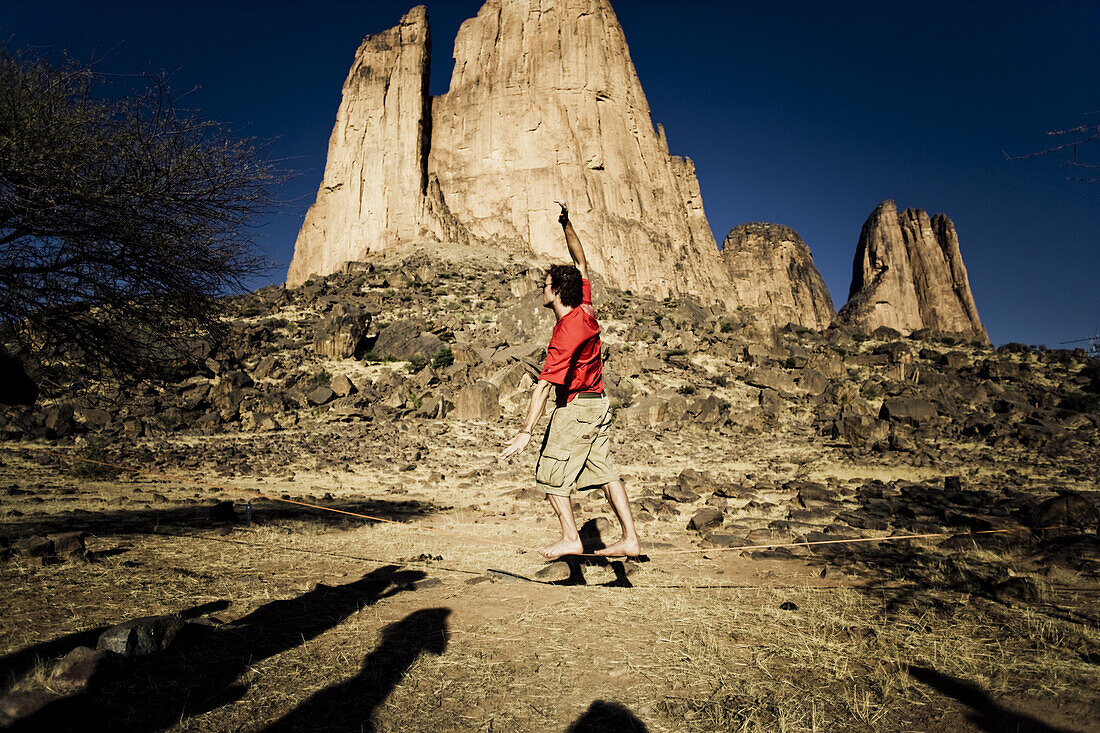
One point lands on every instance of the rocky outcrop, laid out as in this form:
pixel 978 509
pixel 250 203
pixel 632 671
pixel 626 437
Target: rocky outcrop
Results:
pixel 908 275
pixel 772 271
pixel 544 104
pixel 373 192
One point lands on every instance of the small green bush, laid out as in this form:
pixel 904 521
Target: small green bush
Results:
pixel 443 358
pixel 686 389
pixel 417 362
pixel 728 327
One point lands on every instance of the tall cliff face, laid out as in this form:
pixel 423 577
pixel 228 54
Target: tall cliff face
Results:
pixel 908 274
pixel 544 105
pixel 772 271
pixel 373 192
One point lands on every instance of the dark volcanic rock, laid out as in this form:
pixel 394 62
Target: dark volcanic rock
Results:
pixel 76 669
pixel 694 481
pixel 908 410
pixel 1070 511
pixel 706 519
pixel 675 493
pixel 141 636
pixel 404 340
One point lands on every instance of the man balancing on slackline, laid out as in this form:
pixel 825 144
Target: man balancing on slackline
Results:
pixel 576 448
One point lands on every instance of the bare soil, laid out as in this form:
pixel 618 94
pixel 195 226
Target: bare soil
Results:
pixel 312 620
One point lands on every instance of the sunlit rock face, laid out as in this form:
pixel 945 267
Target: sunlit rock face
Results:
pixel 544 105
pixel 908 274
pixel 374 187
pixel 772 271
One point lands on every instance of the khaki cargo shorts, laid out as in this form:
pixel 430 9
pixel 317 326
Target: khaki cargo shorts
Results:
pixel 576 451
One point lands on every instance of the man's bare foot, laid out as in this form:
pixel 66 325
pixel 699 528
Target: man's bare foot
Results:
pixel 561 548
pixel 622 548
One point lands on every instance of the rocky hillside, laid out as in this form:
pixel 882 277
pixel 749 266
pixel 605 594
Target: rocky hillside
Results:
pixel 420 338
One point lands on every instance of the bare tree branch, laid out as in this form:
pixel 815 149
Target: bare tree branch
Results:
pixel 121 220
pixel 1082 134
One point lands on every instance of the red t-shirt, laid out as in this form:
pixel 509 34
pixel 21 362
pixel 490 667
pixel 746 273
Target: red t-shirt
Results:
pixel 573 357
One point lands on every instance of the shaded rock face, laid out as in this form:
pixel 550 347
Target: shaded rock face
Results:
pixel 771 270
pixel 908 275
pixel 544 104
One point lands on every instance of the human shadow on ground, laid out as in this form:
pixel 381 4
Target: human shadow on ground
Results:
pixel 199 672
pixel 607 717
pixel 17 664
pixel 986 713
pixel 577 566
pixel 349 705
pixel 196 516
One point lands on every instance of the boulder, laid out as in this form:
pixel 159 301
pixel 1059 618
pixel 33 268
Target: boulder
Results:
pixel 75 670
pixel 908 410
pixel 477 401
pixel 774 379
pixel 320 395
pixel 342 333
pixel 695 481
pixel 141 636
pixel 677 494
pixel 860 430
pixel 656 409
pixel 404 339
pixel 68 545
pixel 58 420
pixel 705 519
pixel 342 386
pixel 1069 512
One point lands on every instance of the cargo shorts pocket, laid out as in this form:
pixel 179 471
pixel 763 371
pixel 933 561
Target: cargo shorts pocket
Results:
pixel 550 470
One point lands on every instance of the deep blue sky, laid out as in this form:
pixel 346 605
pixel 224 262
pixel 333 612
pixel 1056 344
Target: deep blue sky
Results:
pixel 801 113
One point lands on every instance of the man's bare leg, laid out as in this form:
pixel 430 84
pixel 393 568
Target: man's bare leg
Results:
pixel 628 545
pixel 570 542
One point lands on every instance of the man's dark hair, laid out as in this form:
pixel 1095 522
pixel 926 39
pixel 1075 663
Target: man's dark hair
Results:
pixel 565 280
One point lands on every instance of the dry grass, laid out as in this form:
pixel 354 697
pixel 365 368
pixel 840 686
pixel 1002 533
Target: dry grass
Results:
pixel 531 657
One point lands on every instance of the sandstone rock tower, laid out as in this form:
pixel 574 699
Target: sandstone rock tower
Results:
pixel 375 179
pixel 544 104
pixel 908 274
pixel 771 270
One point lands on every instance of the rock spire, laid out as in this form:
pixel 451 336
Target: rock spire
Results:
pixel 374 187
pixel 908 274
pixel 544 104
pixel 771 270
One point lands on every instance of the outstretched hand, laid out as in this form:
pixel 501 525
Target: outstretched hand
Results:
pixel 517 445
pixel 563 217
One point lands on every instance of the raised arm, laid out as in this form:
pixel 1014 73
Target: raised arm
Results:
pixel 573 241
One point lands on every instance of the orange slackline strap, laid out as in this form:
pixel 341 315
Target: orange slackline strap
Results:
pixel 522 548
